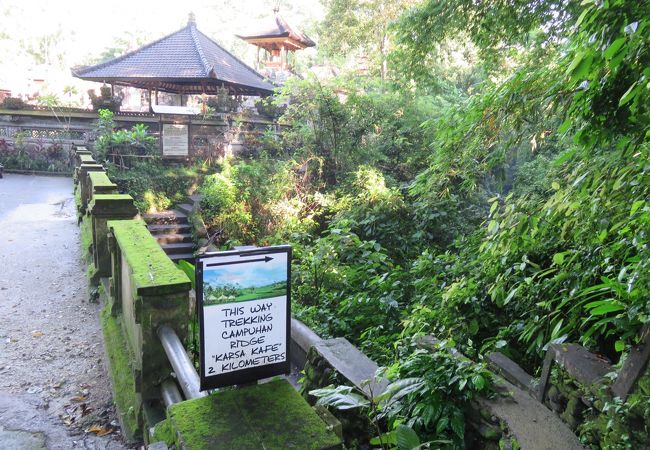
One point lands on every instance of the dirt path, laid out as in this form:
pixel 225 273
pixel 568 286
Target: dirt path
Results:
pixel 54 387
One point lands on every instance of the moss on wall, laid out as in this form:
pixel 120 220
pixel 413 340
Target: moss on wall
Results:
pixel 163 432
pixel 86 238
pixel 152 270
pixel 270 416
pixel 125 397
pixel 77 196
pixel 601 421
pixel 101 180
pixel 356 425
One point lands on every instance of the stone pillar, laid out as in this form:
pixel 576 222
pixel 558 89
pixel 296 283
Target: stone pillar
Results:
pixel 86 154
pixel 150 292
pixel 100 184
pixel 152 311
pixel 82 158
pixel 84 188
pixel 102 208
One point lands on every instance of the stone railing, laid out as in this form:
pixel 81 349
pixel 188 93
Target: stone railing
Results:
pixel 141 287
pixel 146 292
pixel 512 417
pixel 145 318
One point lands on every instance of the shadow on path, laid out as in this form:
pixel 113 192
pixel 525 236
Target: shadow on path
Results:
pixel 54 386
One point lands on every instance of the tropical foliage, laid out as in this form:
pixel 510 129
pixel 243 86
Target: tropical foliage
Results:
pixel 491 189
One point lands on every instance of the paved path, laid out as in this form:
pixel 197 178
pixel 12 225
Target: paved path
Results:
pixel 54 387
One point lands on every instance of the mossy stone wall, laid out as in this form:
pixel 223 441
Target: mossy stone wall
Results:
pixel 127 400
pixel 270 416
pixel 320 373
pixel 102 208
pixel 597 417
pixel 84 187
pixel 148 291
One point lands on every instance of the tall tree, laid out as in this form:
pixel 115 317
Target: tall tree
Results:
pixel 361 26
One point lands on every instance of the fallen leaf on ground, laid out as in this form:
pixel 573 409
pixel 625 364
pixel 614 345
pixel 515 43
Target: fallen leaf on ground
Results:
pixel 79 398
pixel 37 333
pixel 68 420
pixel 99 430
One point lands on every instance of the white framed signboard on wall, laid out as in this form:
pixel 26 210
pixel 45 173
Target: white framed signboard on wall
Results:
pixel 175 139
pixel 244 307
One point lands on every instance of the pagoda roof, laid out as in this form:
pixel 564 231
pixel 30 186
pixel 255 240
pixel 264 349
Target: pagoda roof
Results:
pixel 185 62
pixel 276 30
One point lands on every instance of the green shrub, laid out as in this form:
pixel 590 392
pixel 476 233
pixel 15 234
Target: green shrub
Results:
pixel 155 187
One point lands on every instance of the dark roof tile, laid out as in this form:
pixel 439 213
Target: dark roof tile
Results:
pixel 187 56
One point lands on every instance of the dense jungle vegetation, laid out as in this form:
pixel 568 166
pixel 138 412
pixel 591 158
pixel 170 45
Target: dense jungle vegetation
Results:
pixel 486 181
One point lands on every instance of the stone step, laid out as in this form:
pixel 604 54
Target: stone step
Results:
pixel 174 238
pixel 194 198
pixel 185 208
pixel 165 217
pixel 169 228
pixel 175 249
pixel 182 256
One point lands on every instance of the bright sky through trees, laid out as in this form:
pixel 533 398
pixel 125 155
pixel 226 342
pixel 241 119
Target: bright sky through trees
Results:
pixel 44 39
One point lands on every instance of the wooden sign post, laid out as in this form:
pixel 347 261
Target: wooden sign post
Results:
pixel 244 305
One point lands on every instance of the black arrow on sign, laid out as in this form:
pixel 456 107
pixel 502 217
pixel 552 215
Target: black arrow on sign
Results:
pixel 265 259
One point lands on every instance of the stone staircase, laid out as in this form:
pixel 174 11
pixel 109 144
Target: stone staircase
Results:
pixel 173 231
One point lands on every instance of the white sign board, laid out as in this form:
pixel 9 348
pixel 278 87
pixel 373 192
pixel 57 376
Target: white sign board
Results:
pixel 175 139
pixel 244 315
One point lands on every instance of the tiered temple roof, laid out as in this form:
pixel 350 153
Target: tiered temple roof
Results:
pixel 184 62
pixel 276 33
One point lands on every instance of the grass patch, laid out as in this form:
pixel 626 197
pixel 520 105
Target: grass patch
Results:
pixel 232 294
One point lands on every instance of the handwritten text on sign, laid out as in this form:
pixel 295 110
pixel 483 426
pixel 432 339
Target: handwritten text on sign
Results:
pixel 245 307
pixel 246 335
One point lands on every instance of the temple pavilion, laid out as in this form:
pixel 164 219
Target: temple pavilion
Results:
pixel 275 39
pixel 186 62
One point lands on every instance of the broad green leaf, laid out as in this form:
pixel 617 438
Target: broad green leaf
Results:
pixel 619 346
pixel 407 439
pixel 614 47
pixel 565 126
pixel 510 296
pixel 555 185
pixel 473 327
pixel 389 438
pixel 582 69
pixel 602 307
pixel 635 206
pixel 189 270
pixel 629 95
pixel 478 381
pixel 584 13
pixel 458 424
pixel 558 258
pixel 442 425
pixel 340 397
pixel 576 60
pixel 401 388
pixel 556 329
